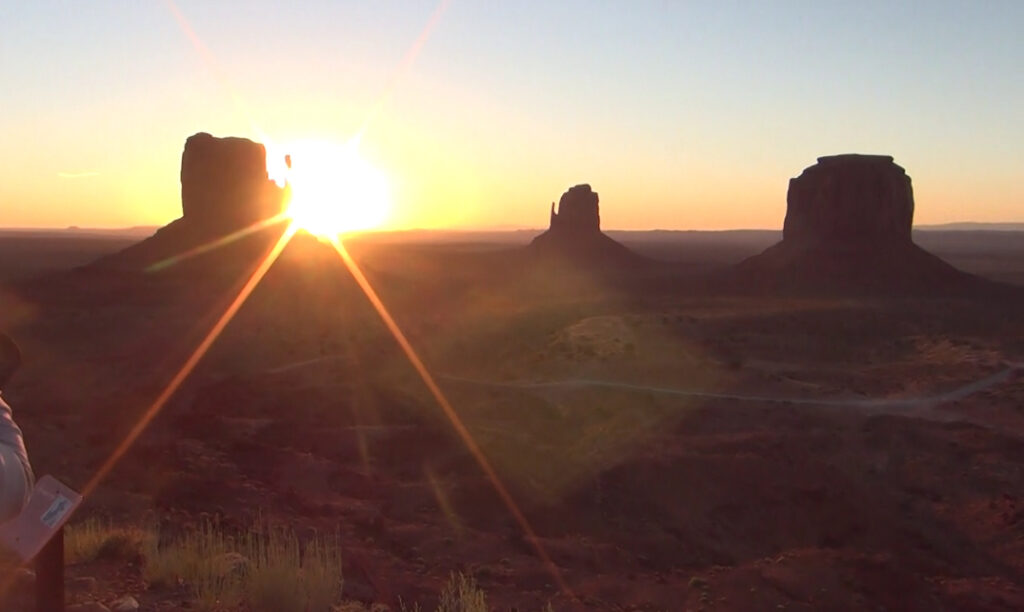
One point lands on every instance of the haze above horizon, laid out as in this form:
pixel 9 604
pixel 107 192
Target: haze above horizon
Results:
pixel 681 117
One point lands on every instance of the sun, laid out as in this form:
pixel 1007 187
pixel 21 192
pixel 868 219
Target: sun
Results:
pixel 333 190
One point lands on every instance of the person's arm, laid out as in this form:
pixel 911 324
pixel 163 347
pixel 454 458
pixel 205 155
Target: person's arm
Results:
pixel 15 471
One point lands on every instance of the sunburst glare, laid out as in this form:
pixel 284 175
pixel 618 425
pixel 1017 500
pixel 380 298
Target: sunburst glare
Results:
pixel 333 189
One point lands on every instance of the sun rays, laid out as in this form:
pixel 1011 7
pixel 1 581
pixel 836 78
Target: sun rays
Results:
pixel 449 411
pixel 333 190
pixel 192 361
pixel 225 240
pixel 396 332
pixel 318 213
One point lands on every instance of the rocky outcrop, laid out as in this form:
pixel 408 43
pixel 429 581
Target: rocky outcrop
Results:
pixel 224 188
pixel 848 229
pixel 224 183
pixel 578 212
pixel 850 200
pixel 575 232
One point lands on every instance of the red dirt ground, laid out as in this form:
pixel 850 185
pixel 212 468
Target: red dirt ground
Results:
pixel 643 501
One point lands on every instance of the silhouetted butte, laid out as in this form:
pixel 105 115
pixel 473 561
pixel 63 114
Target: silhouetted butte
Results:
pixel 848 229
pixel 224 188
pixel 575 233
pixel 224 183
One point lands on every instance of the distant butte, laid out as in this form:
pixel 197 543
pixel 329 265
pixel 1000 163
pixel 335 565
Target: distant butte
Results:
pixel 224 188
pixel 224 183
pixel 848 228
pixel 578 213
pixel 850 200
pixel 575 234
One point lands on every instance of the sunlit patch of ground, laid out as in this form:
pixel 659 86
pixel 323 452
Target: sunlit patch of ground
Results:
pixel 600 337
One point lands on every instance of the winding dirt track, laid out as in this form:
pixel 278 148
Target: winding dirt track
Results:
pixel 896 404
pixel 919 406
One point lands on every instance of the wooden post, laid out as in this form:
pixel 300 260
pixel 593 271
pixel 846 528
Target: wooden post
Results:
pixel 50 575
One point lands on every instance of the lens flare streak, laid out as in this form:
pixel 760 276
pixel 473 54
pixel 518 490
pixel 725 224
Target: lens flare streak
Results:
pixel 211 64
pixel 191 363
pixel 449 410
pixel 407 61
pixel 250 285
pixel 163 264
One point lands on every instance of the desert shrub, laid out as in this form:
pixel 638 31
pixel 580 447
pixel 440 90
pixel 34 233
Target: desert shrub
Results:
pixel 461 594
pixel 275 558
pixel 266 567
pixel 200 560
pixel 95 539
pixel 322 573
pixel 285 576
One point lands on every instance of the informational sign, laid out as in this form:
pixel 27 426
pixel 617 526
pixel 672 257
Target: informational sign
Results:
pixel 49 507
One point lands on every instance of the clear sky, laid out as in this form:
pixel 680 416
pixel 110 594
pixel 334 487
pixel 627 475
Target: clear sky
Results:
pixel 683 115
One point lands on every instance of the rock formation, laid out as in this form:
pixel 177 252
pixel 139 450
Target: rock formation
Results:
pixel 224 188
pixel 578 212
pixel 848 228
pixel 850 200
pixel 224 183
pixel 575 231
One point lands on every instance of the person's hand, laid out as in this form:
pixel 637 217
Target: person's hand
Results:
pixel 10 358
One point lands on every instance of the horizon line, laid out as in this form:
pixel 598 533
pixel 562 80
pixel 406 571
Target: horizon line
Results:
pixel 499 228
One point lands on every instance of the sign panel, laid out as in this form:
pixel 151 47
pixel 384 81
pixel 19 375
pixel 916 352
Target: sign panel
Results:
pixel 49 507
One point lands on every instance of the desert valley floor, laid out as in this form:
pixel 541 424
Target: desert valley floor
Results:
pixel 672 447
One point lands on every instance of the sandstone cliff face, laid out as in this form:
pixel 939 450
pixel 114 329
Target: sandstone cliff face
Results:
pixel 578 212
pixel 224 183
pixel 575 232
pixel 848 229
pixel 850 200
pixel 224 188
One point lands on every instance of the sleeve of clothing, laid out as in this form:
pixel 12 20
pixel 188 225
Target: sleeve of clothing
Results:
pixel 15 472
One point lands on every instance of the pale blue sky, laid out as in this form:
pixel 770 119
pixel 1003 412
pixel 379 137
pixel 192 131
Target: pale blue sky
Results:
pixel 681 114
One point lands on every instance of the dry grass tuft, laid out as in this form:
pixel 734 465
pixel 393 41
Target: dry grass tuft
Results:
pixel 266 568
pixel 285 575
pixel 462 594
pixel 94 539
pixel 199 559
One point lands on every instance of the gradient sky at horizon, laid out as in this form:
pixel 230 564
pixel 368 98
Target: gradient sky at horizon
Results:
pixel 682 115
